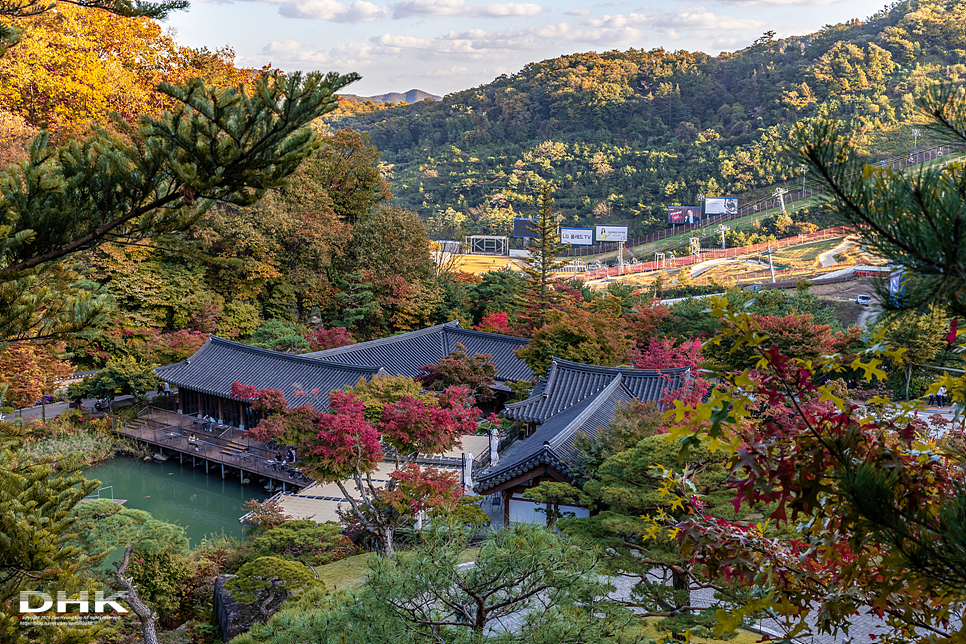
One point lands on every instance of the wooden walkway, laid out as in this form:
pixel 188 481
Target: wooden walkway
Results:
pixel 216 447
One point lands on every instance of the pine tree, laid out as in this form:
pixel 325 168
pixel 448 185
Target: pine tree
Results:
pixel 912 217
pixel 145 185
pixel 538 295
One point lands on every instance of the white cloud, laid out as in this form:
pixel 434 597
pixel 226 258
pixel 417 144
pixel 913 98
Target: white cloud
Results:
pixel 781 3
pixel 478 44
pixel 671 24
pixel 459 8
pixel 295 54
pixel 358 11
pixel 578 12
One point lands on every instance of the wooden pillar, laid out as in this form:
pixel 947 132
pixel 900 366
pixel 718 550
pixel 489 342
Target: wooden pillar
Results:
pixel 180 401
pixel 199 403
pixel 206 466
pixel 221 418
pixel 222 471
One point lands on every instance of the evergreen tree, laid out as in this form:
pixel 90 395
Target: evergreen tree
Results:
pixel 913 218
pixel 538 294
pixel 150 182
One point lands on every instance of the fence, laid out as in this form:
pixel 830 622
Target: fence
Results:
pixel 677 262
pixel 798 194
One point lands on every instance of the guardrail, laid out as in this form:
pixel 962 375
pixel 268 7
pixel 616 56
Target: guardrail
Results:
pixel 678 262
pixel 899 162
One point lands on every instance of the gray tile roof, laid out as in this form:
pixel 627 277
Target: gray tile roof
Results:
pixel 219 363
pixel 553 442
pixel 567 383
pixel 407 352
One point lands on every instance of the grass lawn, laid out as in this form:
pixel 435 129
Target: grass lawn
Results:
pixel 650 630
pixel 352 570
pixel 807 254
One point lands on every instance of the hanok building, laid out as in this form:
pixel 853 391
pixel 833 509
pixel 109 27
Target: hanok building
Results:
pixel 572 399
pixel 205 379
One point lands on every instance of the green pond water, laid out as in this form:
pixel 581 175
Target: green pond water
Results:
pixel 203 503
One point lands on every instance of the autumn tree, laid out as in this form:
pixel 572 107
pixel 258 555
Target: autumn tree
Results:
pixel 30 372
pixel 880 504
pixel 591 337
pixel 475 372
pixel 344 447
pixel 143 187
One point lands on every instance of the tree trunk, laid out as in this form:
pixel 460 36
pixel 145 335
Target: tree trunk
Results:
pixel 147 616
pixel 908 380
pixel 386 536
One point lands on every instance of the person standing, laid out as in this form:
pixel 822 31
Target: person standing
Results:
pixel 941 395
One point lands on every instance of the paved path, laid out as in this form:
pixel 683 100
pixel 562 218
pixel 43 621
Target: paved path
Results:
pixel 828 257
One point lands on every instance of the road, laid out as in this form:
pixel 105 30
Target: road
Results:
pixel 59 408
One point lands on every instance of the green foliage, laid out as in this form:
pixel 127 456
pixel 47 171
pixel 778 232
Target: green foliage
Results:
pixel 280 335
pixel 103 526
pixel 257 575
pixel 124 376
pixel 308 542
pixel 579 335
pixel 36 526
pixel 624 134
pixel 552 495
pixel 386 390
pixel 631 423
pixel 139 185
pixel 629 487
pixel 524 574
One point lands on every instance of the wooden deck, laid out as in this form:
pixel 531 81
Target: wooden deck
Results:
pixel 220 448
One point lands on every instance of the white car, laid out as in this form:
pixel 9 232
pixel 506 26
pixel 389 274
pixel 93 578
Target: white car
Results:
pixel 863 300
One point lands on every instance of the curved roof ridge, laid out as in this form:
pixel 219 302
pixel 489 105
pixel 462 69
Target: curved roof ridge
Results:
pixel 602 397
pixel 247 348
pixel 630 371
pixel 487 334
pixel 390 339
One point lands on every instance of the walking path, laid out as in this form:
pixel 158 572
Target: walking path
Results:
pixel 827 258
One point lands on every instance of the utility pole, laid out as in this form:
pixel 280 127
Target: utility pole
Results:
pixel 771 264
pixel 722 229
pixel 804 169
pixel 780 193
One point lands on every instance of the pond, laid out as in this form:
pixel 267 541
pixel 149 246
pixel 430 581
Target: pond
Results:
pixel 203 504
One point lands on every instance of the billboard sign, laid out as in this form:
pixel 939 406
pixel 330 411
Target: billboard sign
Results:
pixel 721 205
pixel 611 233
pixel 683 214
pixel 577 236
pixel 521 227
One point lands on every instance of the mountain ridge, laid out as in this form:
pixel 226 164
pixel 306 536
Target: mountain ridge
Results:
pixel 623 135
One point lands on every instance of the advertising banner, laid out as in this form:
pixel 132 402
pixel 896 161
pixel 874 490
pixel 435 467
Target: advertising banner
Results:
pixel 683 214
pixel 611 233
pixel 721 205
pixel 577 236
pixel 521 227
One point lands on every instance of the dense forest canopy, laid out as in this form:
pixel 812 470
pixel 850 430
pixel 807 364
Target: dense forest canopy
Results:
pixel 622 135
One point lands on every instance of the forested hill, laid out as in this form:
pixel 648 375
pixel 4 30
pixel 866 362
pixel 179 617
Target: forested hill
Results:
pixel 624 134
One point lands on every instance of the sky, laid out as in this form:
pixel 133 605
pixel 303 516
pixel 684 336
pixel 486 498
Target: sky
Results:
pixel 443 46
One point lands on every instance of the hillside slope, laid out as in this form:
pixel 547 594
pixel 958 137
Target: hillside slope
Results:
pixel 624 134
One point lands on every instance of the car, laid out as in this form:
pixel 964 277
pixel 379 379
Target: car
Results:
pixel 863 300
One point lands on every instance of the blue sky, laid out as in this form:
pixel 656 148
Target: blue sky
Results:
pixel 443 46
